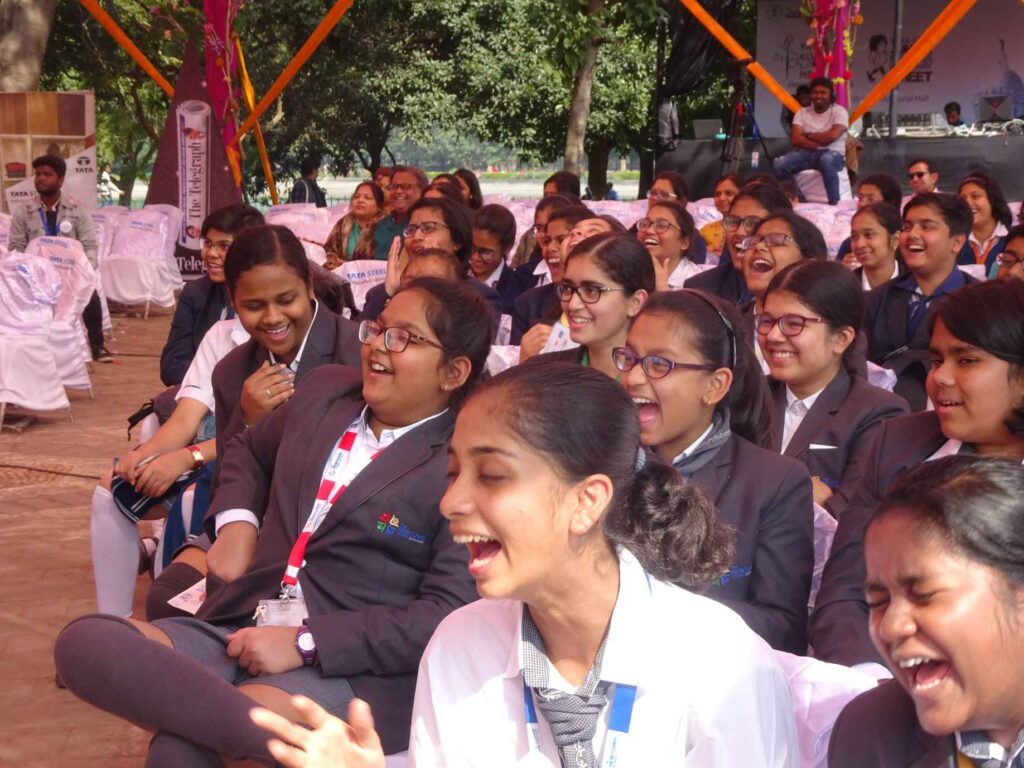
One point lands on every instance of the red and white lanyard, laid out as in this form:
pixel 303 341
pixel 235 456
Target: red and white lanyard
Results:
pixel 327 495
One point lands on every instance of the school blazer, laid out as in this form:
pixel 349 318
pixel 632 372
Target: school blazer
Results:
pixel 381 571
pixel 509 286
pixel 723 280
pixel 332 339
pixel 835 437
pixel 839 622
pixel 200 306
pixel 885 324
pixel 377 298
pixel 766 498
pixel 534 306
pixel 880 729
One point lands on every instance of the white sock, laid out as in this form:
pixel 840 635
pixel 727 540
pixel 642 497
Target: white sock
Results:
pixel 115 555
pixel 158 527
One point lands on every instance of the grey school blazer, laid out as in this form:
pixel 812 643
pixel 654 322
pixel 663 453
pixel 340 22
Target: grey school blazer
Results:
pixel 839 623
pixel 835 437
pixel 879 729
pixel 381 571
pixel 331 339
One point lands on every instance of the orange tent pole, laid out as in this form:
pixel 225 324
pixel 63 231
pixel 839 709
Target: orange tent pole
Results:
pixel 249 97
pixel 333 16
pixel 926 43
pixel 740 53
pixel 129 47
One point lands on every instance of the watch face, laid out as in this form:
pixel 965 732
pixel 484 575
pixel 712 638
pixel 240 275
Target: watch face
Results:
pixel 306 642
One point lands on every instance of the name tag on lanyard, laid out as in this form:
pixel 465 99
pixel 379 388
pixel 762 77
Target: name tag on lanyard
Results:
pixel 623 699
pixel 53 231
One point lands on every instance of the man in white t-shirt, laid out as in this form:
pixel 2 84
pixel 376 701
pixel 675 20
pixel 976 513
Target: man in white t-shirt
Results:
pixel 819 140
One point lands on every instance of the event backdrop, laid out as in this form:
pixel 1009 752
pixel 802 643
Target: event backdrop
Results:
pixel 33 124
pixel 980 57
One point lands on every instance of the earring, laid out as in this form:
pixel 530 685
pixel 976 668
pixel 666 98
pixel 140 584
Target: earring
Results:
pixel 707 403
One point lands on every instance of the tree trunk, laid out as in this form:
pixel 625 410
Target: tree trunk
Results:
pixel 579 106
pixel 597 168
pixel 646 170
pixel 24 32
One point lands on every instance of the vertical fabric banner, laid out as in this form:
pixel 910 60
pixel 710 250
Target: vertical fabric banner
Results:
pixel 221 64
pixel 193 169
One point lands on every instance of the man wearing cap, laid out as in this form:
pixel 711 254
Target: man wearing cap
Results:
pixel 57 215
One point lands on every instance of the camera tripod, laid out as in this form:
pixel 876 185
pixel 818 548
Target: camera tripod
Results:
pixel 733 149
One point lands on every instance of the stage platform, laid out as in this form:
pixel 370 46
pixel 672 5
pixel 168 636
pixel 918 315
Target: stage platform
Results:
pixel 952 156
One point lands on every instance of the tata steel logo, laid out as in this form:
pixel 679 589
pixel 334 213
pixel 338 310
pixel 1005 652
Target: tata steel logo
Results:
pixel 83 165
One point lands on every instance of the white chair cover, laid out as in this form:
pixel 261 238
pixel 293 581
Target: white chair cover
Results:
pixel 104 224
pixel 820 691
pixel 78 281
pixel 29 290
pixel 813 187
pixel 137 269
pixel 173 214
pixel 362 275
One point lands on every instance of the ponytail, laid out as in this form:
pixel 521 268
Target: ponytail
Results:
pixel 670 526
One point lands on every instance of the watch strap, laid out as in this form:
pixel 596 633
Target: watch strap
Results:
pixel 197 457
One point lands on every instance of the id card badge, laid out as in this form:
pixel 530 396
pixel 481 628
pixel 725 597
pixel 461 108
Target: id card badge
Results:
pixel 191 599
pixel 281 613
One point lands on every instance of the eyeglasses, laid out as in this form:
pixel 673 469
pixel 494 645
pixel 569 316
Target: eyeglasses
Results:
pixel 402 187
pixel 485 253
pixel 789 325
pixel 659 226
pixel 772 240
pixel 426 228
pixel 1008 260
pixel 917 175
pixel 395 339
pixel 219 245
pixel 588 293
pixel 750 223
pixel 653 366
pixel 657 194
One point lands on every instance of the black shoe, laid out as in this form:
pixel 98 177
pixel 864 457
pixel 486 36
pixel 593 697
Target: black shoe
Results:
pixel 102 355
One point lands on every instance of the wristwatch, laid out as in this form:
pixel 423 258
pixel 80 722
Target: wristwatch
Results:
pixel 197 456
pixel 306 645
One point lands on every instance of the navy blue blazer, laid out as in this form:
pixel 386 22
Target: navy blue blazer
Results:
pixel 839 623
pixel 537 305
pixel 509 286
pixel 723 280
pixel 331 339
pixel 767 499
pixel 201 304
pixel 381 571
pixel 880 729
pixel 966 255
pixel 885 324
pixel 835 437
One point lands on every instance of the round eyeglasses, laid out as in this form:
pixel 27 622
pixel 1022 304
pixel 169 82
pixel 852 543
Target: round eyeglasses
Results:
pixel 658 226
pixel 653 366
pixel 426 228
pixel 789 325
pixel 750 223
pixel 657 194
pixel 772 240
pixel 395 339
pixel 588 293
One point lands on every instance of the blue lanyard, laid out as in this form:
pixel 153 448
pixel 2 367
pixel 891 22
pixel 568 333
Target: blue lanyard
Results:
pixel 53 231
pixel 618 721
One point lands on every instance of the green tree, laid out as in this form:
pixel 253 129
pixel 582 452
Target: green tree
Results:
pixel 130 107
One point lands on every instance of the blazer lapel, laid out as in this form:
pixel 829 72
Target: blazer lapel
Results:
pixel 778 414
pixel 713 476
pixel 401 457
pixel 330 426
pixel 896 316
pixel 828 403
pixel 319 344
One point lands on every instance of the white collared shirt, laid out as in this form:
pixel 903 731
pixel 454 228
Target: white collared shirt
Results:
pixel 350 462
pixel 693 446
pixel 983 248
pixel 683 272
pixel 543 272
pixel 864 276
pixel 293 366
pixel 495 276
pixel 223 336
pixel 796 411
pixel 709 690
